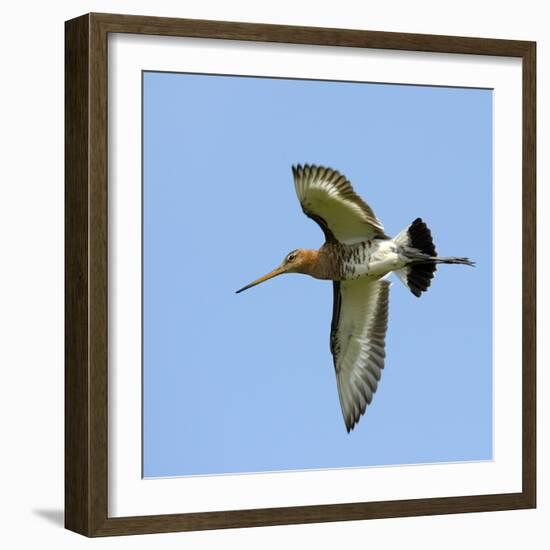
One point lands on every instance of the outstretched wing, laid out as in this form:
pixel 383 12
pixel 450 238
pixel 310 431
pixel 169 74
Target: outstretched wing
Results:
pixel 357 340
pixel 328 198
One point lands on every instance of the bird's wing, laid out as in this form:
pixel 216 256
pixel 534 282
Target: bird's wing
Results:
pixel 328 198
pixel 357 339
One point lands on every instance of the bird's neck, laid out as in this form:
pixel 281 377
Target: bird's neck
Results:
pixel 317 264
pixel 309 263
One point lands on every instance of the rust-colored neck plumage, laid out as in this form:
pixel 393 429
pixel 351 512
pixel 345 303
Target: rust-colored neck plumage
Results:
pixel 308 262
pixel 316 263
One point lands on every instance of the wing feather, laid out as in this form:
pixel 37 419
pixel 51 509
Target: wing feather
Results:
pixel 357 342
pixel 328 198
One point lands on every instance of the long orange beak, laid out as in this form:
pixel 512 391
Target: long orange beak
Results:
pixel 277 271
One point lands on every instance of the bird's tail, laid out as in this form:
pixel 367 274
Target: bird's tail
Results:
pixel 416 244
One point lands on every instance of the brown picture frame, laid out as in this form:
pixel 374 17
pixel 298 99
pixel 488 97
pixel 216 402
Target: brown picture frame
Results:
pixel 86 283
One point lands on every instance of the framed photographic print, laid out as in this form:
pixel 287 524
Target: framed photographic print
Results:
pixel 365 189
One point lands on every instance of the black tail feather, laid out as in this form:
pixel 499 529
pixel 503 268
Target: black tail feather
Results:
pixel 420 237
pixel 419 277
pixel 424 260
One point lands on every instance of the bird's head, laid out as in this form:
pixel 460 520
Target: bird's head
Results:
pixel 297 261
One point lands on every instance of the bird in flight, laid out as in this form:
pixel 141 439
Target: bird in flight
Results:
pixel 357 257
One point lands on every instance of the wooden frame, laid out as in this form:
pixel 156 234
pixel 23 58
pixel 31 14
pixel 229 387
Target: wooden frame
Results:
pixel 86 286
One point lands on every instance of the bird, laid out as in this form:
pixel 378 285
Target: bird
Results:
pixel 357 256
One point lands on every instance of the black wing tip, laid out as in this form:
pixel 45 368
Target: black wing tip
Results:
pixel 299 169
pixel 353 418
pixel 350 425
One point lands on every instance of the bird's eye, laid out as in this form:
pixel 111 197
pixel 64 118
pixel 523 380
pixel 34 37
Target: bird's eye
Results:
pixel 290 257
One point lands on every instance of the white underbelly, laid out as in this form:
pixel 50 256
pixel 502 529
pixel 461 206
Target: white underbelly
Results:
pixel 378 261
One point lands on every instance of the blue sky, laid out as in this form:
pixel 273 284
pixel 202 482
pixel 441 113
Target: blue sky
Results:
pixel 245 383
